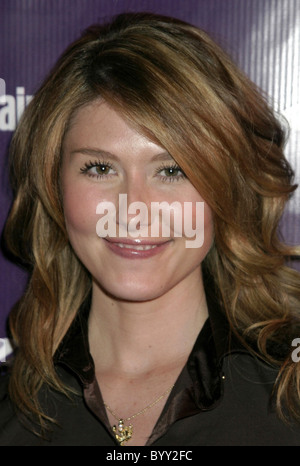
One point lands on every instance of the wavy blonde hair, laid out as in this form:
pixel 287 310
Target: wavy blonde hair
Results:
pixel 173 83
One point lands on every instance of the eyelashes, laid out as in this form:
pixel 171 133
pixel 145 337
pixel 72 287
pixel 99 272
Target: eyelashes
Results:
pixel 167 172
pixel 172 172
pixel 98 169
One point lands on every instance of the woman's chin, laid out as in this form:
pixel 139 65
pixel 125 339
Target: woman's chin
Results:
pixel 131 292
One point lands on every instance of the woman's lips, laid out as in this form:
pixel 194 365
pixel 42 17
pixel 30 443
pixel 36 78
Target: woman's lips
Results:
pixel 136 249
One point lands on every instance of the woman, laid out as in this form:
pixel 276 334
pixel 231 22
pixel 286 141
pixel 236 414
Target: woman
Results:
pixel 138 339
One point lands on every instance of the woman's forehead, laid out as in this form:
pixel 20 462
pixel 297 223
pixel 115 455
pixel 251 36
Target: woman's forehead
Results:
pixel 98 129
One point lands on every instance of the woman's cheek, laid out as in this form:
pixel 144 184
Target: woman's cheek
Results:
pixel 79 210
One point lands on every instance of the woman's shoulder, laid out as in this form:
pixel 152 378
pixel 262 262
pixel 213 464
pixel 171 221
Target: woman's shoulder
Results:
pixel 4 381
pixel 12 431
pixel 7 414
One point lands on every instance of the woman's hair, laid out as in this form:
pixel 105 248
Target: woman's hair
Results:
pixel 176 86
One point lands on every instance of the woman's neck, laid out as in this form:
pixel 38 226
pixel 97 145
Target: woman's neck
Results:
pixel 135 337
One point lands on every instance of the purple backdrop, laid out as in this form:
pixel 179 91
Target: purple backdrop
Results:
pixel 263 36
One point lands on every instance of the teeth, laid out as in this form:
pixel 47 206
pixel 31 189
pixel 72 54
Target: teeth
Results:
pixel 137 247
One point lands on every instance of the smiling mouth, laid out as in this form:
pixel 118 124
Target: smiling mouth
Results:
pixel 136 249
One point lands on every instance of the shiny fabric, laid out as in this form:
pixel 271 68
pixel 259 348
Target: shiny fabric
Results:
pixel 198 387
pixel 222 397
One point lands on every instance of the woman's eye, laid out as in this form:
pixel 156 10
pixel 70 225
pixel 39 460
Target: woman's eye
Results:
pixel 97 169
pixel 102 169
pixel 170 173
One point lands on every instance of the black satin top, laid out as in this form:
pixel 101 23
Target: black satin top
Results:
pixel 221 398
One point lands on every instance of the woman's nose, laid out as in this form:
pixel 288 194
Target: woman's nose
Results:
pixel 134 204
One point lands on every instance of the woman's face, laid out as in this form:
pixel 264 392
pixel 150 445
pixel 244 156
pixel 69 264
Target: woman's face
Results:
pixel 104 158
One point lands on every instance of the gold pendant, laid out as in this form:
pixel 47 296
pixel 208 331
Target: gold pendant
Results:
pixel 122 433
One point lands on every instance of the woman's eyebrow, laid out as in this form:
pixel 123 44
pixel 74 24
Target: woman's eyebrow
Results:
pixel 161 157
pixel 94 152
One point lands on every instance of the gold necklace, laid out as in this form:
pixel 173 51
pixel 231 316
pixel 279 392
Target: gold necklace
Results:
pixel 124 433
